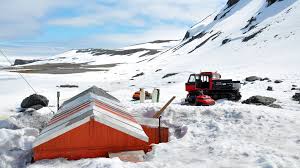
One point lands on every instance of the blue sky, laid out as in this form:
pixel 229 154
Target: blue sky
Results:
pixel 47 27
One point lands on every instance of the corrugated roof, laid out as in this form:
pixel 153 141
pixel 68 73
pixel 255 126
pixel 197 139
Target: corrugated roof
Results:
pixel 94 89
pixel 92 103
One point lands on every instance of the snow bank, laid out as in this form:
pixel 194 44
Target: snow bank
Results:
pixel 17 133
pixel 228 134
pixel 15 147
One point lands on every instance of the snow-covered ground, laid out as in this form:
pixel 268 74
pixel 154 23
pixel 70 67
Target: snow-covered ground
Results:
pixel 229 134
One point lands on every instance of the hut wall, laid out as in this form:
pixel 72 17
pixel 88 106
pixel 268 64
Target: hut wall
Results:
pixel 94 139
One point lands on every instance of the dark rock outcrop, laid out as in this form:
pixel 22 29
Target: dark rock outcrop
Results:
pixel 68 86
pixel 137 75
pixel 260 100
pixel 270 88
pixel 23 62
pixel 278 81
pixel 296 97
pixel 35 101
pixel 270 2
pixel 168 75
pixel 232 2
pixel 226 41
pixel 252 78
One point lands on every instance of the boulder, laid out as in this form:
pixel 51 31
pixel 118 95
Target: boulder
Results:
pixel 35 101
pixel 275 106
pixel 296 97
pixel 260 100
pixel 278 81
pixel 252 78
pixel 270 88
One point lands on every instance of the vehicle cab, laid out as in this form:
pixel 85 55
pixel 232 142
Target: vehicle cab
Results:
pixel 202 81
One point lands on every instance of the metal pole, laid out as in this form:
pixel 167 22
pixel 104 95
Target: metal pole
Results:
pixel 58 95
pixel 142 95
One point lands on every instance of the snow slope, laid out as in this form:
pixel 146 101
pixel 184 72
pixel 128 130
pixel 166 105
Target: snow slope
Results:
pixel 229 134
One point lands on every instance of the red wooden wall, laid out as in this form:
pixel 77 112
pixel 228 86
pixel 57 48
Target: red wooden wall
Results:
pixel 94 139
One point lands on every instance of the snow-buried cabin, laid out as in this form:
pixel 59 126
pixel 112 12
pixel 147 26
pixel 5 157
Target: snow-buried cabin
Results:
pixel 94 124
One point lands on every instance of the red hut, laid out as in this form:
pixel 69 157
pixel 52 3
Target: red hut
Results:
pixel 93 124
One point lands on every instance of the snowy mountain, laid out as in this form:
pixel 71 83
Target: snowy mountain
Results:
pixel 246 37
pixel 254 33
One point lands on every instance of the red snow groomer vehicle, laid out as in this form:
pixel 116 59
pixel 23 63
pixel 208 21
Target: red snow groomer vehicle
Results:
pixel 206 87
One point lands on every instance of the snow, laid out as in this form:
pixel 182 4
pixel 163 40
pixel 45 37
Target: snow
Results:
pixel 16 146
pixel 229 134
pixel 154 45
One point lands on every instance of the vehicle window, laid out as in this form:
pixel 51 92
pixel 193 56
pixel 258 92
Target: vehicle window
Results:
pixel 192 79
pixel 216 76
pixel 204 78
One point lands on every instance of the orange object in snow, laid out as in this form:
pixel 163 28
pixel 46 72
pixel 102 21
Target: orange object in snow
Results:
pixel 93 124
pixel 136 95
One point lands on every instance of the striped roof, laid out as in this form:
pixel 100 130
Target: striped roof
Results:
pixel 92 103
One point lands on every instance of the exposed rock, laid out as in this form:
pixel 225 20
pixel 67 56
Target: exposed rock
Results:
pixel 226 41
pixel 187 35
pixel 205 41
pixel 168 75
pixel 259 100
pixel 137 75
pixel 294 85
pixel 275 106
pixel 232 2
pixel 158 70
pixel 270 88
pixel 295 88
pixel 99 51
pixel 278 81
pixel 296 97
pixel 270 2
pixel 252 78
pixel 23 62
pixel 34 100
pixel 247 38
pixel 68 86
pixel 266 79
pixel 250 21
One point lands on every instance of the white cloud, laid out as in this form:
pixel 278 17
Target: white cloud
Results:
pixel 117 40
pixel 27 19
pixel 131 11
pixel 19 18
